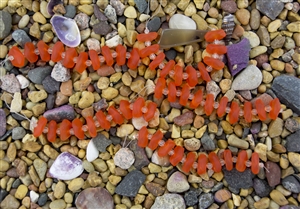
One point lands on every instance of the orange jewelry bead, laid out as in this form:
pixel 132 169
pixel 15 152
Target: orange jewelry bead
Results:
pixel 166 148
pixel 215 161
pixel 153 144
pixel 172 92
pixel 43 50
pixel 137 107
pixel 117 117
pixel 196 101
pixel 214 63
pixel 255 163
pixel 168 67
pixel 125 109
pixel 147 51
pixel 178 73
pixel 150 112
pixel 228 159
pixel 52 127
pixel 121 55
pixel 134 59
pixel 216 48
pixel 275 105
pixel 192 79
pixel 234 113
pixel 77 127
pixel 209 104
pixel 143 137
pixel 241 161
pixel 64 128
pixel 107 55
pixel 213 35
pixel 102 120
pixel 91 126
pixel 204 74
pixel 177 156
pixel 260 107
pixel 41 124
pixel 222 107
pixel 158 59
pixel 29 52
pixel 189 161
pixel 18 59
pixel 185 93
pixel 202 163
pixel 81 62
pixel 247 112
pixel 57 51
pixel 160 85
pixel 146 36
pixel 95 59
pixel 68 61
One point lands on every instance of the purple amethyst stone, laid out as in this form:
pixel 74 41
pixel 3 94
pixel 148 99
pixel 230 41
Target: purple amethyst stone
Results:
pixel 60 113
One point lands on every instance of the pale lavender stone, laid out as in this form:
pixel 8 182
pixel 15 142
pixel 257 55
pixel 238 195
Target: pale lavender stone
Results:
pixel 66 30
pixel 238 56
pixel 60 113
pixel 2 122
pixel 10 84
pixel 52 4
pixel 66 167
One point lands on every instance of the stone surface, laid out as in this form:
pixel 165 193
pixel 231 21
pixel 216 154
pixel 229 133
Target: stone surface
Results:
pixel 60 113
pixel 274 174
pixel 60 73
pixel 37 75
pixel 21 37
pixel 6 24
pixel 191 197
pixel 168 201
pixel 250 78
pixel 287 95
pixel 177 183
pixel 91 151
pixel 184 119
pixel 10 83
pixel 291 184
pixel 270 8
pixel 50 85
pixel 238 180
pixel 141 158
pixel 101 142
pixel 205 200
pixel 207 142
pixel 292 142
pixel 131 184
pixel 10 202
pixel 261 187
pixel 179 21
pixel 94 198
pixel 124 158
pixel 2 122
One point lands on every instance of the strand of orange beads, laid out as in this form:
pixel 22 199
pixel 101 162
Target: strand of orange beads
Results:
pixel 70 58
pixel 139 108
pixel 202 162
pixel 234 110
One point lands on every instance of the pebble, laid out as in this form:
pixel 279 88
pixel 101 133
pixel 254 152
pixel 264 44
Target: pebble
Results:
pixel 252 37
pixel 292 184
pixel 124 158
pixel 37 75
pixel 141 159
pixel 205 200
pixel 59 190
pixel 42 199
pixel 192 144
pixel 229 6
pixel 278 42
pixel 18 133
pixel 82 21
pixel 124 130
pixel 191 197
pixel 10 83
pixel 70 11
pixel 58 204
pixel 131 184
pixel 293 142
pixel 271 8
pixel 118 6
pixel 33 196
pixel 222 196
pixel 10 202
pixel 101 142
pixel 109 93
pixel 274 174
pixel 278 197
pixel 238 180
pixel 207 142
pixel 177 183
pixel 66 167
pixel 261 187
pixel 21 192
pixel 179 21
pixel 138 123
pixel 238 56
pixel 250 78
pixel 275 128
pixel 162 161
pixel 243 16
pixel 111 15
pixel 21 37
pixel 94 198
pixel 184 119
pixel 114 41
pixel 155 189
pixel 60 73
pixel 213 88
pixel 2 122
pixel 75 184
pixel 288 96
pixel 50 85
pixel 60 113
pixel 102 28
pixel 86 100
pixel 263 203
pixel 16 103
pixel 4 166
pixel 255 19
pixel 6 24
pixel 91 152
pixel 168 201
pixel 24 82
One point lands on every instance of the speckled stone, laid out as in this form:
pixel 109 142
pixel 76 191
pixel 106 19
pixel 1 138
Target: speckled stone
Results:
pixel 237 179
pixel 50 85
pixel 291 184
pixel 261 187
pixel 37 75
pixel 168 201
pixel 250 78
pixel 94 198
pixel 6 24
pixel 177 183
pixel 270 8
pixel 205 200
pixel 60 113
pixel 2 122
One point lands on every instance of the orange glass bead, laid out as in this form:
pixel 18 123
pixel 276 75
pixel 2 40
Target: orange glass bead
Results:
pixel 160 85
pixel 137 107
pixel 234 113
pixel 275 108
pixel 215 161
pixel 134 59
pixel 255 163
pixel 260 108
pixel 52 127
pixel 107 55
pixel 202 162
pixel 125 109
pixel 192 79
pixel 77 128
pixel 43 50
pixel 148 50
pixel 57 50
pixel 214 63
pixel 247 112
pixel 95 59
pixel 41 124
pixel 209 104
pixel 18 57
pixel 68 61
pixel 212 35
pixel 117 117
pixel 143 137
pixel 177 156
pixel 121 55
pixel 153 144
pixel 101 117
pixel 178 73
pixel 91 126
pixel 241 161
pixel 80 64
pixel 216 48
pixel 172 92
pixel 168 67
pixel 228 159
pixel 166 148
pixel 185 93
pixel 64 128
pixel 189 161
pixel 146 36
pixel 222 106
pixel 29 52
pixel 204 74
pixel 196 101
pixel 158 59
pixel 149 115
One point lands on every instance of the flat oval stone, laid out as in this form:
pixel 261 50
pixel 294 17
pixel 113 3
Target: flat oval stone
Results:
pixel 169 201
pixel 179 21
pixel 91 151
pixel 248 79
pixel 178 183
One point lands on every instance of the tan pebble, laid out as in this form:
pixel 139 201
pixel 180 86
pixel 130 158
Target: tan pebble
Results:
pixel 277 65
pixel 187 134
pixel 126 79
pixel 125 130
pixel 274 25
pixel 75 184
pixel 59 190
pixel 11 152
pixel 114 78
pixel 154 168
pixel 103 83
pixel 294 26
pixel 278 198
pixel 114 179
pixel 94 179
pixel 212 128
pixel 267 77
pixel 66 88
pixel 130 12
pixel 4 166
pixel 183 4
pixel 188 54
pixel 58 204
pixel 261 149
pixel 50 152
pixel 200 22
pixel 109 93
pixel 176 131
pixel 257 51
pixel 87 99
pixel 233 140
pixel 37 96
pixel 173 114
pixel 39 109
pixel 87 9
pixel 243 16
pixel 3 51
pixel 192 144
pixel 275 128
pixel 225 85
pixel 294 159
pixel 228 129
pixel 190 10
pixel 263 203
pixel 21 192
pixel 201 131
pixel 222 195
pixel 42 7
pixel 198 121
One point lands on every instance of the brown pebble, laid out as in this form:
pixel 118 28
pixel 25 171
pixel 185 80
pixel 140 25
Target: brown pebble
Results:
pixel 222 195
pixel 274 173
pixel 155 189
pixel 184 119
pixel 66 88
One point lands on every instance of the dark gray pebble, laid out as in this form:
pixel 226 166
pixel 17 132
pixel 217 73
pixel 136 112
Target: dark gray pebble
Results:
pixel 60 113
pixel 6 24
pixel 21 37
pixel 293 142
pixel 115 140
pixel 18 133
pixel 3 194
pixel 191 196
pixel 271 8
pixel 42 199
pixel 102 28
pixel 237 179
pixel 154 24
pixel 291 184
pixel 207 143
pixel 261 187
pixel 287 95
pixel 101 142
pixel 141 5
pixel 141 159
pixel 50 101
pixel 37 75
pixel 2 122
pixel 16 183
pixel 5 135
pixel 292 125
pixel 50 85
pixel 100 16
pixel 205 200
pixel 70 11
pixel 131 184
pixel 170 54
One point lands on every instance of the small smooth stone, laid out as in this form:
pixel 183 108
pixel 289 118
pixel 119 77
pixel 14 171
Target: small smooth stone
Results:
pixel 249 79
pixel 33 196
pixel 10 83
pixel 58 204
pixel 184 119
pixel 192 144
pixel 24 21
pixel 229 6
pixel 111 15
pixel 130 12
pixel 261 187
pixel 131 184
pixel 222 195
pixel 234 141
pixel 124 158
pixel 275 128
pixel 179 21
pixel 102 28
pixel 278 197
pixel 191 197
pixel 274 174
pixel 141 159
pixel 169 200
pixel 213 88
pixel 162 161
pixel 21 192
pixel 243 16
pixel 50 85
pixel 60 113
pixel 207 142
pixel 124 130
pixel 66 167
pixel 205 200
pixel 16 103
pixel 37 75
pixel 6 24
pixel 86 100
pixel 21 37
pixel 138 123
pixel 9 202
pixel 177 183
pixel 24 82
pixel 60 73
pixel 293 142
pixel 292 184
pixel 75 184
pixel 94 198
pixel 59 190
pixel 2 122
pixel 114 41
pixel 252 37
pixel 119 6
pixel 91 152
pixel 271 8
pixel 18 133
pixel 238 180
pixel 155 189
